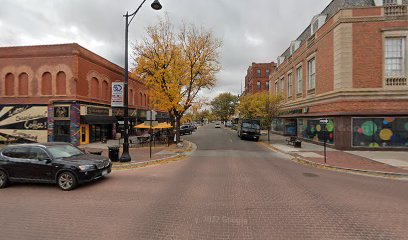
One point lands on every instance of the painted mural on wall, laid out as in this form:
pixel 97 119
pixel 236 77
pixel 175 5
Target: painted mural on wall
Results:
pixel 380 132
pixel 311 129
pixel 23 123
pixel 75 115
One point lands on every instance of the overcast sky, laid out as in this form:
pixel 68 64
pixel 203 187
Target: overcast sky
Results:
pixel 251 30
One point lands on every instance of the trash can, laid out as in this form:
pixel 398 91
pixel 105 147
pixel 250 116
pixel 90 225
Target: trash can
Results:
pixel 114 153
pixel 297 144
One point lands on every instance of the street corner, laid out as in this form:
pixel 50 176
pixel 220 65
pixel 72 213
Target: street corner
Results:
pixel 173 153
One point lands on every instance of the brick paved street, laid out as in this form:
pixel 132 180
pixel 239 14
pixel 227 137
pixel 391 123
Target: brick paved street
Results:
pixel 229 189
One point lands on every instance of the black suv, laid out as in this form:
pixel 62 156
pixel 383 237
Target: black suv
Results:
pixel 60 163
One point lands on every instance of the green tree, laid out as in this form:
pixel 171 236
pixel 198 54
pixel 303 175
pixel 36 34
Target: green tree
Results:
pixel 223 106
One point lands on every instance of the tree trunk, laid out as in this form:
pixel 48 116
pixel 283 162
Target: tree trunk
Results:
pixel 178 118
pixel 269 131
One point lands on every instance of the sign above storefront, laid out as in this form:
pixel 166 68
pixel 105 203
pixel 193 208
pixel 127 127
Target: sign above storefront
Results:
pixel 117 94
pixel 98 111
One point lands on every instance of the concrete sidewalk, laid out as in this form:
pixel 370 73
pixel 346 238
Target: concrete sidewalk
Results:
pixel 141 155
pixel 383 162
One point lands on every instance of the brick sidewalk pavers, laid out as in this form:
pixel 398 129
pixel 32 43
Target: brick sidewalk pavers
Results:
pixel 347 160
pixel 335 158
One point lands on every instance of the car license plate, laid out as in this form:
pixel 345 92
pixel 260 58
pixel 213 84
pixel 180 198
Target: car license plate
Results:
pixel 104 172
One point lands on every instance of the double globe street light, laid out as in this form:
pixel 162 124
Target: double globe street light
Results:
pixel 125 155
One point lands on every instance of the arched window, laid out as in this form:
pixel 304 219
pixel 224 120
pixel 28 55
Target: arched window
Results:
pixel 61 83
pixel 94 87
pixel 23 84
pixel 141 99
pixel 130 97
pixel 46 84
pixel 135 98
pixel 9 85
pixel 105 90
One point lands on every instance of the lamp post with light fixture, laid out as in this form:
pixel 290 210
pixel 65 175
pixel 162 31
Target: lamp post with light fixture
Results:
pixel 125 155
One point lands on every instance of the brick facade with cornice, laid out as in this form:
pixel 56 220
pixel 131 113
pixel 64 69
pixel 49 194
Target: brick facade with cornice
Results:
pixel 367 110
pixel 64 75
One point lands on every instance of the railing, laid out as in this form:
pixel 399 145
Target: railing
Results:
pixel 397 81
pixel 395 10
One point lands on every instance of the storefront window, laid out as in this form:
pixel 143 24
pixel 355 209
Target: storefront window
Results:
pixel 278 126
pixel 380 132
pixel 311 129
pixel 62 131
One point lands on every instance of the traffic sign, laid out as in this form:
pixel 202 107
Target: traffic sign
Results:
pixel 324 121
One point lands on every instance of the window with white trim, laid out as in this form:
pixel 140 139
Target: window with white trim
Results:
pixel 267 85
pixel 258 72
pixel 282 85
pixel 299 79
pixel 395 57
pixel 267 72
pixel 258 85
pixel 311 65
pixel 290 85
pixel 276 88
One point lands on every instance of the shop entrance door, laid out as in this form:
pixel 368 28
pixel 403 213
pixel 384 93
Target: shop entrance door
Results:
pixel 84 132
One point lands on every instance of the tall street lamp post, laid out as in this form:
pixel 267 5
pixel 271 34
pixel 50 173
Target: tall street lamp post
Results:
pixel 125 155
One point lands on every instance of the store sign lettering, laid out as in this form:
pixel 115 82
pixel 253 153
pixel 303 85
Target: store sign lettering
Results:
pixel 25 136
pixel 98 111
pixel 34 125
pixel 30 117
pixel 18 110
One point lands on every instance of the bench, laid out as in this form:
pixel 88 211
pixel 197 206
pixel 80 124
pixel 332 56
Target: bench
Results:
pixel 294 141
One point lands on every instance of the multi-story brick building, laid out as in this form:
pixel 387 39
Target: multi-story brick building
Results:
pixel 61 93
pixel 257 78
pixel 350 66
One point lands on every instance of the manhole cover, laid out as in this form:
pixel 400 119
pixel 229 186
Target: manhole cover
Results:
pixel 310 175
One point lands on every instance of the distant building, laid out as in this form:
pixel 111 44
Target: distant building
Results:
pixel 257 78
pixel 349 66
pixel 62 93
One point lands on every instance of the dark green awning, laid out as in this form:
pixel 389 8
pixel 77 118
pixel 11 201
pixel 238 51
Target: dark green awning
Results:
pixel 93 119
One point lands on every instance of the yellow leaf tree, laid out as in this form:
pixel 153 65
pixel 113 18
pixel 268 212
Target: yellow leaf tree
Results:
pixel 176 66
pixel 260 105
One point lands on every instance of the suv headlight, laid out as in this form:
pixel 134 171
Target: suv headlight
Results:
pixel 85 168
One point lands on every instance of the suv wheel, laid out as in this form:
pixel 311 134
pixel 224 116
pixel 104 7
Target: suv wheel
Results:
pixel 67 181
pixel 3 179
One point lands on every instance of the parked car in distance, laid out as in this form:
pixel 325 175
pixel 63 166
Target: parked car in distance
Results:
pixel 217 125
pixel 59 163
pixel 185 129
pixel 228 124
pixel 192 126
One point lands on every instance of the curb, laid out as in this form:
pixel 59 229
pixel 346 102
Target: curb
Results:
pixel 371 173
pixel 172 158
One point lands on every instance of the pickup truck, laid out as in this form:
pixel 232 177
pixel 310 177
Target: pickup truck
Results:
pixel 249 129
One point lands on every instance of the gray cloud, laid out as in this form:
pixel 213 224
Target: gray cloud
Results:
pixel 252 31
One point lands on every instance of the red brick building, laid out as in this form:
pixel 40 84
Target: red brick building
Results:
pixel 257 78
pixel 349 66
pixel 61 93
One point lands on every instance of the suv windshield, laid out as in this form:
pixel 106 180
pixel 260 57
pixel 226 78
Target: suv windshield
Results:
pixel 249 125
pixel 64 151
